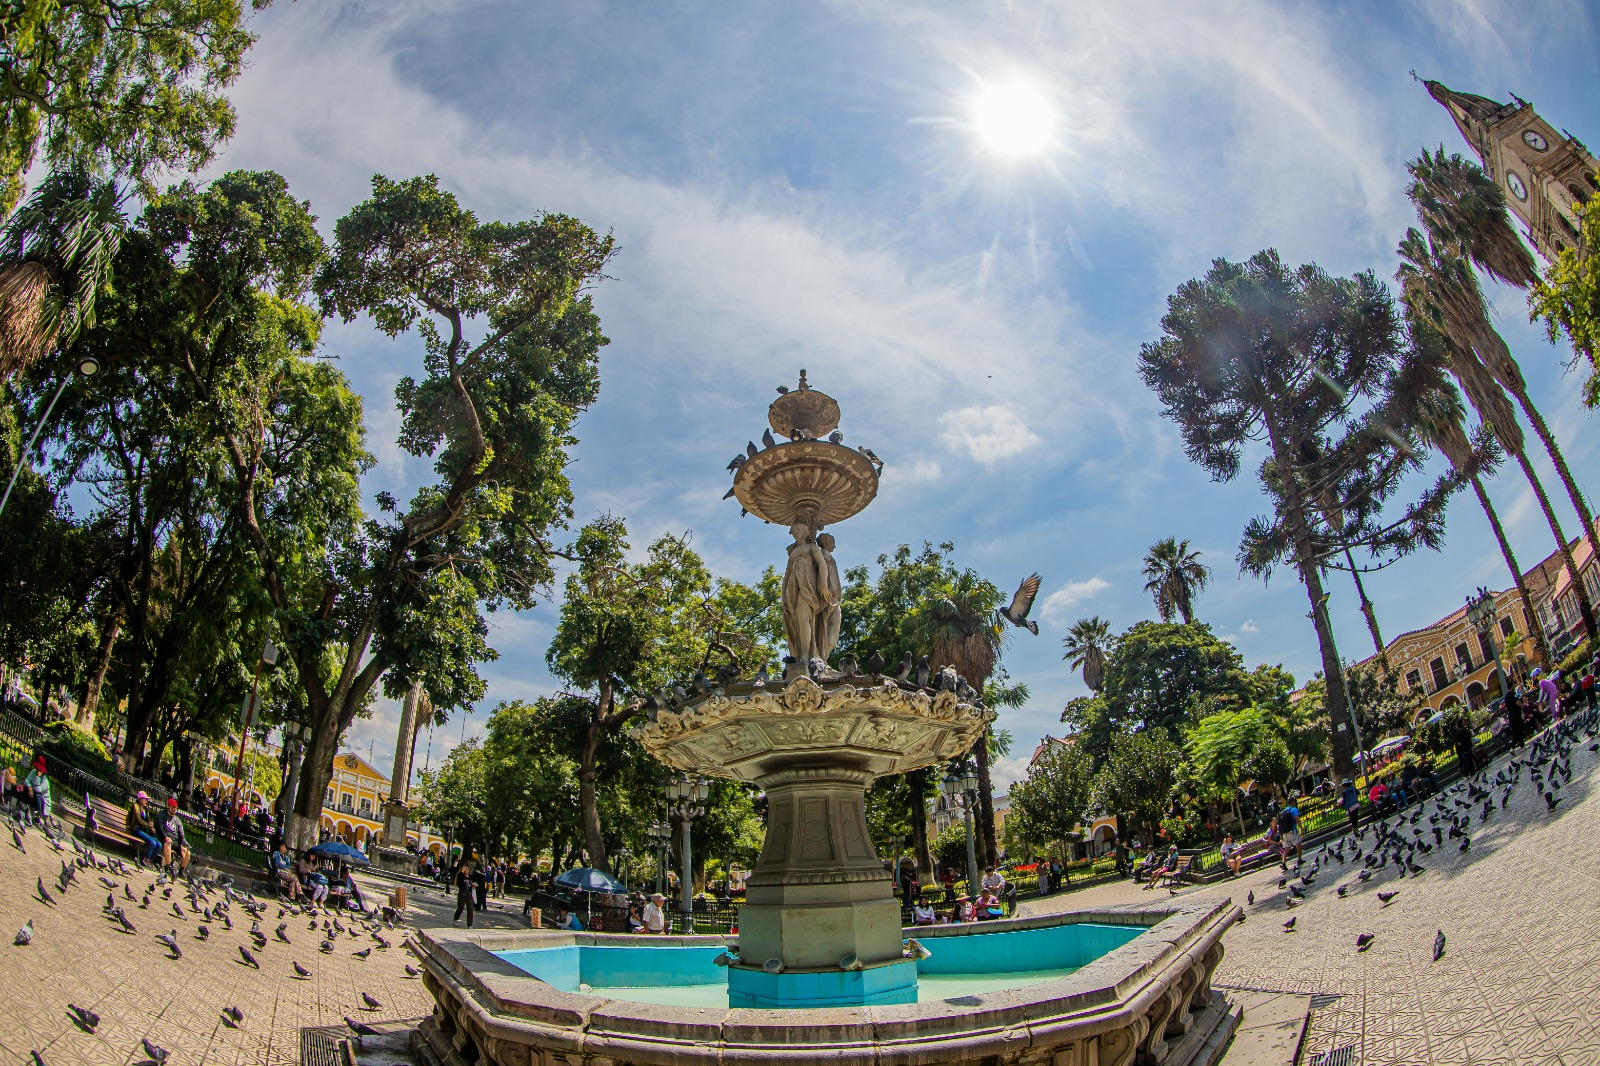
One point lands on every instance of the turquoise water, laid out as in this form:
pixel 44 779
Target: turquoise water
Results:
pixel 958 966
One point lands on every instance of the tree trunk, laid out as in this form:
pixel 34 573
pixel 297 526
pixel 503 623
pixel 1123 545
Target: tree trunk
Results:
pixel 1337 698
pixel 588 771
pixel 316 770
pixel 1531 616
pixel 1579 504
pixel 90 703
pixel 400 780
pixel 1370 614
pixel 1585 610
pixel 917 786
pixel 986 838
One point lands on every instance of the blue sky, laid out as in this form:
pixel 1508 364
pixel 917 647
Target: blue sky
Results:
pixel 802 186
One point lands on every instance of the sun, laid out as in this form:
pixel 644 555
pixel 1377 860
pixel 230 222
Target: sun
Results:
pixel 1014 119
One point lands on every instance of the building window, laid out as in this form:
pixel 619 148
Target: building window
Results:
pixel 366 807
pixel 1440 678
pixel 1483 646
pixel 1506 627
pixel 327 800
pixel 1414 681
pixel 1591 582
pixel 1463 655
pixel 345 801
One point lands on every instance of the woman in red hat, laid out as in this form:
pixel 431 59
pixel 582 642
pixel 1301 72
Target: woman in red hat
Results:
pixel 36 787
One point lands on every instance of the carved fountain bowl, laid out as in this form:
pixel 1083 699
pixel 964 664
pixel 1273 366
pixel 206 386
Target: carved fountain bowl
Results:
pixel 864 723
pixel 812 481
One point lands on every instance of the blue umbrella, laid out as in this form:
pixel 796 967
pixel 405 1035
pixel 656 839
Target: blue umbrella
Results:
pixel 590 880
pixel 334 849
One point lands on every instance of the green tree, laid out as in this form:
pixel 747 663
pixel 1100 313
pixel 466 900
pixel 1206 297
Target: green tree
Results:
pixel 1176 575
pixel 1568 296
pixel 1226 748
pixel 122 88
pixel 1138 778
pixel 1464 217
pixel 1086 645
pixel 453 799
pixel 1050 803
pixel 1301 361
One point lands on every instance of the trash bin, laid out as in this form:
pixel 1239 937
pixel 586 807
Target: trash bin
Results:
pixel 535 916
pixel 397 898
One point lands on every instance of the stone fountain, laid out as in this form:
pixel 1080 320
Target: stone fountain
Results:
pixel 821 926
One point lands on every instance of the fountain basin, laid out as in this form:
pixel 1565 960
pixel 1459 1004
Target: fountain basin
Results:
pixel 1150 996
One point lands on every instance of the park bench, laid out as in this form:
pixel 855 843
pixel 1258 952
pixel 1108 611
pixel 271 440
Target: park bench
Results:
pixel 104 821
pixel 1173 877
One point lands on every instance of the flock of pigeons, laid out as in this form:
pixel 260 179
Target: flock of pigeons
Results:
pixel 1405 843
pixel 209 904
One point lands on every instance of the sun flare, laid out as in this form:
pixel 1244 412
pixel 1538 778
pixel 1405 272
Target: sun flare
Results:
pixel 1014 119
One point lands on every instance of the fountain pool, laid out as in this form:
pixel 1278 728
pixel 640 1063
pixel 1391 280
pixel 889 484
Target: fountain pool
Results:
pixel 972 961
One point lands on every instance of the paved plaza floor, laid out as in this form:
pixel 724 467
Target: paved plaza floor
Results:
pixel 131 981
pixel 1519 981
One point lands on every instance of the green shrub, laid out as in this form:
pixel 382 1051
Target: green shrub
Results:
pixel 1576 659
pixel 76 746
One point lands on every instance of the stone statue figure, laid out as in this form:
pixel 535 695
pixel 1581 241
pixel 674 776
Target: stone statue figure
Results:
pixel 802 593
pixel 831 615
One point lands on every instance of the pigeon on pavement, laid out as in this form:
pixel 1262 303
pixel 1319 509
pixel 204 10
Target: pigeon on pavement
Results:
pixel 1438 945
pixel 25 934
pixel 371 1003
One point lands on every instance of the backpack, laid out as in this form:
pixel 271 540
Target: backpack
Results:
pixel 1286 820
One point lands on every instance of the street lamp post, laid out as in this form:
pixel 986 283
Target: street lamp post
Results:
pixel 965 784
pixel 623 855
pixel 88 367
pixel 296 739
pixel 686 798
pixel 1480 612
pixel 660 835
pixel 252 709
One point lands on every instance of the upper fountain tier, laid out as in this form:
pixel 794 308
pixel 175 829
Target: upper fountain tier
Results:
pixel 809 480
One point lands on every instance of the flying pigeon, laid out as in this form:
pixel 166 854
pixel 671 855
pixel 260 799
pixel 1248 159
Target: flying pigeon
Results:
pixel 1438 945
pixel 25 934
pixel 1021 604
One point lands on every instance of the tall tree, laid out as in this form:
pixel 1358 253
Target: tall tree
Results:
pixel 1138 777
pixel 1086 645
pixel 1050 803
pixel 1568 297
pixel 119 88
pixel 1256 351
pixel 1441 289
pixel 1175 575
pixel 1464 214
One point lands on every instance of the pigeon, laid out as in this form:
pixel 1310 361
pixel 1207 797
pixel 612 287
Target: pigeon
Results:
pixel 301 970
pixel 88 1017
pixel 25 934
pixel 171 942
pixel 249 959
pixel 1343 889
pixel 1021 604
pixel 1364 875
pixel 326 947
pixel 177 910
pixel 158 1055
pixel 750 450
pixel 875 663
pixel 412 971
pixel 201 933
pixel 1466 843
pixel 848 666
pixel 1289 925
pixel 363 953
pixel 359 1028
pixel 767 439
pixel 924 672
pixel 122 919
pixel 1250 897
pixel 872 457
pixel 383 945
pixel 1438 945
pixel 44 894
pixel 282 932
pixel 1364 941
pixel 1386 897
pixel 235 1013
pixel 371 1003
pixel 761 677
pixel 836 437
pixel 727 674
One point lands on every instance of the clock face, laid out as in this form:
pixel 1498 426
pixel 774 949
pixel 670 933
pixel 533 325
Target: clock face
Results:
pixel 1535 140
pixel 1519 190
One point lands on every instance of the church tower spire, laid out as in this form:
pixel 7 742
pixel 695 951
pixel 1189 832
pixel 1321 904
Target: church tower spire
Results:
pixel 1544 172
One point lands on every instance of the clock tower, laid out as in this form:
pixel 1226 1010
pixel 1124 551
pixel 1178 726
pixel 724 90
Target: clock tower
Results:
pixel 1543 172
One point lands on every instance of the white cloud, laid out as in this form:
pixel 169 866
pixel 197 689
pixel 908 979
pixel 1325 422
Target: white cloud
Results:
pixel 987 433
pixel 1003 773
pixel 1249 626
pixel 1064 599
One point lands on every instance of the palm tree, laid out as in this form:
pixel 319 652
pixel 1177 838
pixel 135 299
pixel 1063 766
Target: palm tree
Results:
pixel 1440 421
pixel 55 256
pixel 1176 575
pixel 963 637
pixel 1462 208
pixel 1086 644
pixel 1439 286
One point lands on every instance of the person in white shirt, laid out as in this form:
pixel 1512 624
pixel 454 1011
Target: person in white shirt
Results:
pixel 654 920
pixel 992 882
pixel 922 913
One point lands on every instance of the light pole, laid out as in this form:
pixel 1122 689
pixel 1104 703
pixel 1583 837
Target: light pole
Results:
pixel 660 835
pixel 623 855
pixel 296 740
pixel 1480 612
pixel 686 798
pixel 88 367
pixel 252 709
pixel 964 783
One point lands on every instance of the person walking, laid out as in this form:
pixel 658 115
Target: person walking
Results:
pixel 1350 800
pixel 480 886
pixel 1516 719
pixel 463 892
